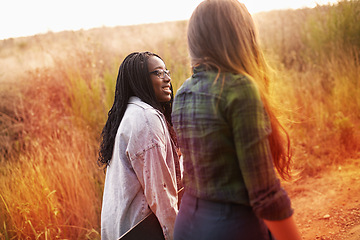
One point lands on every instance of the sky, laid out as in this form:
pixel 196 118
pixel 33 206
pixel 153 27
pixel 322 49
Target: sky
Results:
pixel 29 17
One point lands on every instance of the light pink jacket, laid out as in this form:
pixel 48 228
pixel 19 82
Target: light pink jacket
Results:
pixel 141 175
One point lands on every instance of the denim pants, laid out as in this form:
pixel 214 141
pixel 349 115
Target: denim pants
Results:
pixel 207 220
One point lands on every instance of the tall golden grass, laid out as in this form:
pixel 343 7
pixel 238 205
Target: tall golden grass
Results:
pixel 56 93
pixel 316 53
pixel 51 120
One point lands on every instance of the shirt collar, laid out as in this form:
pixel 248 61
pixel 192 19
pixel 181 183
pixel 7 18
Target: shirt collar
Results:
pixel 134 99
pixel 198 68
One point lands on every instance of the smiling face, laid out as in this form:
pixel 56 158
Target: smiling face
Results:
pixel 161 85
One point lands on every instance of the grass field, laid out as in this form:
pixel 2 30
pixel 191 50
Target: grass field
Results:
pixel 56 89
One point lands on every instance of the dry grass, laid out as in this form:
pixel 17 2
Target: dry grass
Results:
pixel 51 186
pixel 317 83
pixel 56 90
pixel 51 118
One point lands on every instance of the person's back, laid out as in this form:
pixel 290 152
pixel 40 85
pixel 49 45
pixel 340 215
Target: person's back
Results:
pixel 203 113
pixel 222 130
pixel 124 201
pixel 229 135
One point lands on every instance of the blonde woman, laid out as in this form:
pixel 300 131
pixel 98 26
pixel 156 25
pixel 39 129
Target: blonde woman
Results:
pixel 230 138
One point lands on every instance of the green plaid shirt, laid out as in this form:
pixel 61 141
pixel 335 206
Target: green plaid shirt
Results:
pixel 223 130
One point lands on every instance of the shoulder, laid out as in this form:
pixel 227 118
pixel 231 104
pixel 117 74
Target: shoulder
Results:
pixel 184 87
pixel 239 82
pixel 144 127
pixel 142 115
pixel 241 88
pixel 137 103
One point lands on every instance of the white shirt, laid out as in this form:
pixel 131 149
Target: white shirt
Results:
pixel 141 174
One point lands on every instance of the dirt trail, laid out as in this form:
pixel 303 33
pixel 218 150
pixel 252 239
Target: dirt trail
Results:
pixel 327 207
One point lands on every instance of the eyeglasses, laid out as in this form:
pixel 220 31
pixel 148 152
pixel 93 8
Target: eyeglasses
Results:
pixel 161 73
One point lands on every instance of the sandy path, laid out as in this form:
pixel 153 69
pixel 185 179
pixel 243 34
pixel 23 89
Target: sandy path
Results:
pixel 327 206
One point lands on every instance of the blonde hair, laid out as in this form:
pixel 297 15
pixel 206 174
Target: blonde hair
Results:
pixel 222 35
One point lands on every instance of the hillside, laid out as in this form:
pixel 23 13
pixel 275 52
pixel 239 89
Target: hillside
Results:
pixel 56 89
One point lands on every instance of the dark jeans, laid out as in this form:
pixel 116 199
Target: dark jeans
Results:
pixel 206 220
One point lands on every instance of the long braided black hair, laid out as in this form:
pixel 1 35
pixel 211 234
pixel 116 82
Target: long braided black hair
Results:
pixel 133 80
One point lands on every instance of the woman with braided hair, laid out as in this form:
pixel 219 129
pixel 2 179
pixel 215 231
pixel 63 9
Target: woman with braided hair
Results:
pixel 139 149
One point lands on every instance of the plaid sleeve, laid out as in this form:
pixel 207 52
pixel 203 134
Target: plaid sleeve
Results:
pixel 251 128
